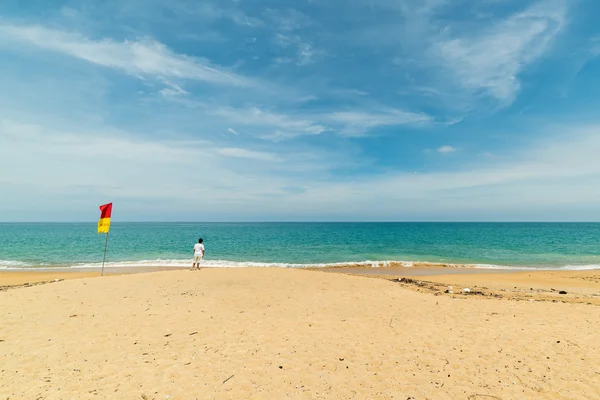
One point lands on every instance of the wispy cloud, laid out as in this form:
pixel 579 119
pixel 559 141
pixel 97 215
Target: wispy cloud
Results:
pixel 432 67
pixel 205 10
pixel 173 90
pixel 595 46
pixel 446 149
pixel 288 20
pixel 280 125
pixel 489 61
pixel 210 36
pixel 242 19
pixel 304 53
pixel 143 57
pixel 245 153
pixel 307 54
pixel 544 175
pixel 358 122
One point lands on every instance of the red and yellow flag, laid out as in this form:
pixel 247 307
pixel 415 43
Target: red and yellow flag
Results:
pixel 104 223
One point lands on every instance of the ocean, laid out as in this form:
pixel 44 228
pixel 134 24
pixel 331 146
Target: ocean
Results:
pixel 483 245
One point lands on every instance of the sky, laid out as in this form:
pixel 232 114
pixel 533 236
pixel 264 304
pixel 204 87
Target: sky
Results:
pixel 304 110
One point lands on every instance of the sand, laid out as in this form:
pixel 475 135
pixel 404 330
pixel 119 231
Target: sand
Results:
pixel 35 276
pixel 18 278
pixel 280 333
pixel 556 286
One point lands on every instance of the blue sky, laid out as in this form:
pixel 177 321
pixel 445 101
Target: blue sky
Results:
pixel 430 110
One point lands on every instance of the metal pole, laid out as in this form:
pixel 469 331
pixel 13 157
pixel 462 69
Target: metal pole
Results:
pixel 104 259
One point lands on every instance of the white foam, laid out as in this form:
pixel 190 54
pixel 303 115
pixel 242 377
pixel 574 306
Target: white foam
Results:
pixel 10 264
pixel 185 263
pixel 228 264
pixel 539 268
pixel 581 267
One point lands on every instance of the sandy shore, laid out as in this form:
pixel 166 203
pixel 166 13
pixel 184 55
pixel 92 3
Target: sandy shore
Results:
pixel 277 333
pixel 563 286
pixel 17 278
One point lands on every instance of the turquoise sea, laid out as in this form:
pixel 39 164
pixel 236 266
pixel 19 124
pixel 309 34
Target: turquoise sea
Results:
pixel 507 245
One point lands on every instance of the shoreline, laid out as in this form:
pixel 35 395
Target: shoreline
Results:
pixel 11 277
pixel 539 285
pixel 15 277
pixel 168 264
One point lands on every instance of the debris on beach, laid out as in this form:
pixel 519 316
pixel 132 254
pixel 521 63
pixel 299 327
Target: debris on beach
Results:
pixel 27 284
pixel 410 281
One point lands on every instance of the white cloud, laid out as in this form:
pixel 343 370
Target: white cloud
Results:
pixel 143 57
pixel 595 46
pixel 347 123
pixel 490 60
pixel 446 150
pixel 242 19
pixel 69 12
pixel 552 179
pixel 284 125
pixel 305 53
pixel 245 153
pixel 230 130
pixel 209 36
pixel 307 99
pixel 114 162
pixel 207 10
pixel 139 174
pixel 358 122
pixel 173 90
pixel 282 40
pixel 288 20
pixel 282 60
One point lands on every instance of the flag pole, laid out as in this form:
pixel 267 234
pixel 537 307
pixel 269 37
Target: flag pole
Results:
pixel 104 259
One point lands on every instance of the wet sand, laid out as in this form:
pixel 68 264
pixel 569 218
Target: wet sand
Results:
pixel 15 277
pixel 419 271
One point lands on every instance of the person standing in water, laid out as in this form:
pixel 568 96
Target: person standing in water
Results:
pixel 198 254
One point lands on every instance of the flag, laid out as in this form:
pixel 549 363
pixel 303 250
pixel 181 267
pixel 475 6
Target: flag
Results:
pixel 104 223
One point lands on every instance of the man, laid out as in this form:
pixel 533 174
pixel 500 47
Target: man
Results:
pixel 198 254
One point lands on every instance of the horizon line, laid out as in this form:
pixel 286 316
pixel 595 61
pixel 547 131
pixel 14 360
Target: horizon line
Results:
pixel 307 222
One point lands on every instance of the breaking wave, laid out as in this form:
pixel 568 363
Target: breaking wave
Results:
pixel 175 264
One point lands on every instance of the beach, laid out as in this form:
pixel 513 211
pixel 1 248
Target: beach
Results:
pixel 264 333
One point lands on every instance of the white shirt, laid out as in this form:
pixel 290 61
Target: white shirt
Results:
pixel 198 249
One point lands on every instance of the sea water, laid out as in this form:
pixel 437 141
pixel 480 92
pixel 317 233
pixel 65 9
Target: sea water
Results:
pixel 484 245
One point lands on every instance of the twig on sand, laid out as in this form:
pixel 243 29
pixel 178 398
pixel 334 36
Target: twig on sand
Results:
pixel 476 396
pixel 228 378
pixel 391 319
